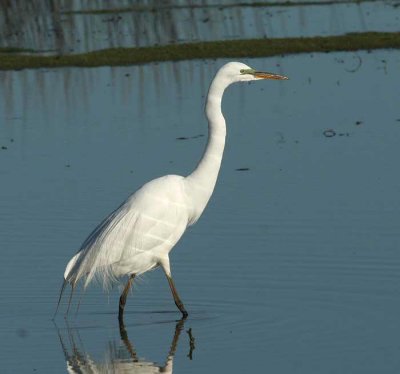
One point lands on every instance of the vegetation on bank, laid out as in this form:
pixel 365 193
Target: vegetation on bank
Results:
pixel 9 60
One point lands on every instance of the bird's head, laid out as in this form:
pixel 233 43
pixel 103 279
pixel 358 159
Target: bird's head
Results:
pixel 239 72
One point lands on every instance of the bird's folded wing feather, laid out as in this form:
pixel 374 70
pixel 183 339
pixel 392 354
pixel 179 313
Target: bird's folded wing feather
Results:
pixel 145 222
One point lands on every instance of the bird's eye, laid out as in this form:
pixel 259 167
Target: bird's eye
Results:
pixel 242 71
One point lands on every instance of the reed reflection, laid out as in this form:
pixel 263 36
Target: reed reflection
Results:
pixel 63 27
pixel 119 358
pixel 38 93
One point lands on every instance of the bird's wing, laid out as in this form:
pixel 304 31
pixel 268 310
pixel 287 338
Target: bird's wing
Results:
pixel 93 252
pixel 151 220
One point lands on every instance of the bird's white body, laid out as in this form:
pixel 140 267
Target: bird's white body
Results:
pixel 139 235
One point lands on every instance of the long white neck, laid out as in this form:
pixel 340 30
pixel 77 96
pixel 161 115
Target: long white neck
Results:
pixel 202 180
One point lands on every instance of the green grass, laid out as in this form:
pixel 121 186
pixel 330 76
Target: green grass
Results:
pixel 207 50
pixel 15 50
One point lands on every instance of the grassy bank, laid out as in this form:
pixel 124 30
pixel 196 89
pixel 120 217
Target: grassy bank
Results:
pixel 216 49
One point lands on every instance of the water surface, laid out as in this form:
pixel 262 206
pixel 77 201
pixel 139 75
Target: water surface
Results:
pixel 294 266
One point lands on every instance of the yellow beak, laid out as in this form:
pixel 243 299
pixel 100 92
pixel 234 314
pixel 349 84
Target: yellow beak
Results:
pixel 265 75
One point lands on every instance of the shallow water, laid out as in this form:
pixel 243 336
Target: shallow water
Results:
pixel 294 266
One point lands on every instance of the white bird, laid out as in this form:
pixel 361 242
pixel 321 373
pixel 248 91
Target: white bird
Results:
pixel 139 235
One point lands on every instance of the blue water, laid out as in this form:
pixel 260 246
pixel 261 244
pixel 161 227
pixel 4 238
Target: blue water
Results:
pixel 294 266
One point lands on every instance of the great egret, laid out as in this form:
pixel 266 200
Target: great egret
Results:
pixel 139 235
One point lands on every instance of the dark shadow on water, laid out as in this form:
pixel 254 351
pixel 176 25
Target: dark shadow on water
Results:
pixel 140 319
pixel 120 357
pixel 139 312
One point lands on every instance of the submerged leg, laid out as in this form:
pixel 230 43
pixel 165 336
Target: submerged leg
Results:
pixel 178 301
pixel 178 328
pixel 122 299
pixel 125 339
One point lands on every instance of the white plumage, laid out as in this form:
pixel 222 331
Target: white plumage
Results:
pixel 139 235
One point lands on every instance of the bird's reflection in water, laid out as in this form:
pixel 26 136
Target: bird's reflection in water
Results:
pixel 117 359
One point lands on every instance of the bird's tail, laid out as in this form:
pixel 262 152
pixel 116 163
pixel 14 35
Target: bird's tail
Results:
pixel 71 269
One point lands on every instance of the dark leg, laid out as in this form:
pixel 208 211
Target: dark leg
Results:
pixel 177 299
pixel 122 299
